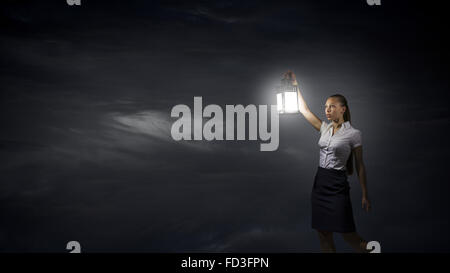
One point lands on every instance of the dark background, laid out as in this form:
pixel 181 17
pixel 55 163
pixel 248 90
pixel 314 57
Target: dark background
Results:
pixel 85 145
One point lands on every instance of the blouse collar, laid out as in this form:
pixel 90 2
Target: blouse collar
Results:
pixel 345 125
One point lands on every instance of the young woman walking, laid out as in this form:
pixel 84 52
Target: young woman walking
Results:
pixel 330 198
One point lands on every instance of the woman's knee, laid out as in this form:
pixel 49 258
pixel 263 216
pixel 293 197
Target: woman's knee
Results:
pixel 326 235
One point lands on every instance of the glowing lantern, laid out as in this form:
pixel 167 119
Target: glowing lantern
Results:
pixel 287 97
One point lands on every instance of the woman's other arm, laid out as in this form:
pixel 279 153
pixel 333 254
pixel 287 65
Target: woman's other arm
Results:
pixel 361 171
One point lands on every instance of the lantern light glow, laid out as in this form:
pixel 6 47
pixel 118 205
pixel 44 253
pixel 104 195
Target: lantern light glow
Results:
pixel 287 97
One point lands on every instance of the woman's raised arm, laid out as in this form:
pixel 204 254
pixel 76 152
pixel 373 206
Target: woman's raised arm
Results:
pixel 302 106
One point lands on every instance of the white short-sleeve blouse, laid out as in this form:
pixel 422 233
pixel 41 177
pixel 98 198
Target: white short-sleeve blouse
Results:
pixel 335 150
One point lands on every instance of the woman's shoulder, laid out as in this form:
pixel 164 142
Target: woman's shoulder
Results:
pixel 351 127
pixel 354 131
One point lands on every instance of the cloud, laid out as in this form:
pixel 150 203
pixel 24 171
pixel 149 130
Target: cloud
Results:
pixel 152 123
pixel 155 124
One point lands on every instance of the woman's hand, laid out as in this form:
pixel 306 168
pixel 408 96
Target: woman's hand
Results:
pixel 291 76
pixel 365 202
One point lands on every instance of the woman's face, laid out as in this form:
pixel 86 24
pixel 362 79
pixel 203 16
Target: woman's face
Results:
pixel 333 109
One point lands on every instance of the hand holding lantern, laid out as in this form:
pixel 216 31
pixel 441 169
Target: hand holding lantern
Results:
pixel 291 76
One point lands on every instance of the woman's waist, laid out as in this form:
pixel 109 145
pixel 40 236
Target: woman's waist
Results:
pixel 340 172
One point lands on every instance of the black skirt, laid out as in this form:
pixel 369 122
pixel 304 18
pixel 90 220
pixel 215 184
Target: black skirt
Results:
pixel 330 200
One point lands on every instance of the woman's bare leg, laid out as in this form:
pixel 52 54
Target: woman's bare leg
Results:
pixel 326 241
pixel 355 241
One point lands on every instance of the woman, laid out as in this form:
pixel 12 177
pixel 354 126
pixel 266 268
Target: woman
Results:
pixel 330 198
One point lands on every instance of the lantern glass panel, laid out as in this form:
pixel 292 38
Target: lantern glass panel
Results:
pixel 290 102
pixel 280 102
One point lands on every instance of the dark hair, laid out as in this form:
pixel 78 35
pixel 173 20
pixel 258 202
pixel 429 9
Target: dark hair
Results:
pixel 347 117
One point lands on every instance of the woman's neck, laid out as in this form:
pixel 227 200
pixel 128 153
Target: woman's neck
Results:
pixel 337 123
